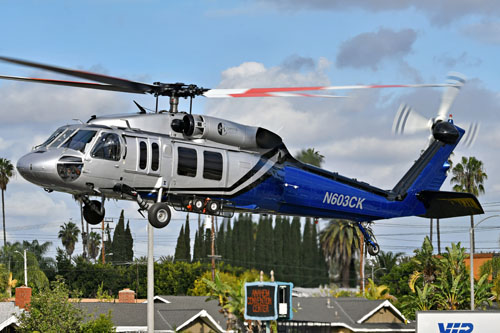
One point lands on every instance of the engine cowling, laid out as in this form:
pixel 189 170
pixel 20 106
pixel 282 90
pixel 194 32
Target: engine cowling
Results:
pixel 225 132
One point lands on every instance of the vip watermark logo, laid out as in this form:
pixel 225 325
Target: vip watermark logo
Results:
pixel 456 327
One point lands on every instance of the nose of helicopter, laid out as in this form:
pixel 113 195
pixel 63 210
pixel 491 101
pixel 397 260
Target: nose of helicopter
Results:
pixel 38 168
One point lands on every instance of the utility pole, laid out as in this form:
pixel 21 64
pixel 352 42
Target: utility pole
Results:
pixel 213 256
pixel 362 265
pixel 103 250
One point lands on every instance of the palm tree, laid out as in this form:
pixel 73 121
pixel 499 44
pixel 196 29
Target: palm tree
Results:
pixel 310 156
pixel 385 262
pixel 69 236
pixel 94 242
pixel 340 242
pixel 468 177
pixel 6 171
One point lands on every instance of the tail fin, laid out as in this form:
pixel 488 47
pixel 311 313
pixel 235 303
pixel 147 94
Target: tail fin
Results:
pixel 429 171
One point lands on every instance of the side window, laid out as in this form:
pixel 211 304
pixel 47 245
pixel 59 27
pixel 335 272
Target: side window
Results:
pixel 212 165
pixel 143 155
pixel 187 162
pixel 107 147
pixel 155 156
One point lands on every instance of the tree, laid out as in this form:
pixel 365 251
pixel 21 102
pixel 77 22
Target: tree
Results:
pixel 187 240
pixel 51 311
pixel 6 171
pixel 340 242
pixel 180 248
pixel 129 244
pixel 384 263
pixel 469 176
pixel 69 236
pixel 310 156
pixel 118 247
pixel 94 245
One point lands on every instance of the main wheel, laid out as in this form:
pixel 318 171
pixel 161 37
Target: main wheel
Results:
pixel 93 215
pixel 198 204
pixel 159 215
pixel 213 207
pixel 373 250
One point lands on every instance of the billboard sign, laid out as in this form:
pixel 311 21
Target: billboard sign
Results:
pixel 261 301
pixel 457 322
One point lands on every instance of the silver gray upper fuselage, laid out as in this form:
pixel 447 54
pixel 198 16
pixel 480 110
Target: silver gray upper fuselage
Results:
pixel 148 156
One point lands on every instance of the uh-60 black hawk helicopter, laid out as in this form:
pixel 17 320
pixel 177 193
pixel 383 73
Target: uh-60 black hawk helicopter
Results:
pixel 214 166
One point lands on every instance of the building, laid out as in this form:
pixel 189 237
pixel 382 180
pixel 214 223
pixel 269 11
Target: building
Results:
pixel 345 315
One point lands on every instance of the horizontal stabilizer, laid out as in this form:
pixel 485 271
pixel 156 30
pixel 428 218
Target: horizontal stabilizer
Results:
pixel 441 204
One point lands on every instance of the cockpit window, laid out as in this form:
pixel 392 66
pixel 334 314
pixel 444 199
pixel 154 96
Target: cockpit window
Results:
pixel 107 147
pixel 52 137
pixel 79 140
pixel 63 137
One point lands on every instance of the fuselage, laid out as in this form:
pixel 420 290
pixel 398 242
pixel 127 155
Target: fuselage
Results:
pixel 91 159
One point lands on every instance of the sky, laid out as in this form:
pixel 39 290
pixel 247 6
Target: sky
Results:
pixel 244 44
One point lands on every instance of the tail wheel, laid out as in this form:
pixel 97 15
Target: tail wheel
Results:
pixel 373 249
pixel 93 212
pixel 159 215
pixel 213 207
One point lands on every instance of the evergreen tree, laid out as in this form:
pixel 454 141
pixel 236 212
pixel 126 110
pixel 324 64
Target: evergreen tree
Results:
pixel 228 244
pixel 129 244
pixel 197 247
pixel 287 249
pixel 295 257
pixel 260 256
pixel 249 241
pixel 187 240
pixel 180 248
pixel 219 241
pixel 207 244
pixel 118 247
pixel 278 248
pixel 308 255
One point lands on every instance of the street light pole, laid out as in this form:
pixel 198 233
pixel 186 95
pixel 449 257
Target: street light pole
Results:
pixel 25 269
pixel 471 259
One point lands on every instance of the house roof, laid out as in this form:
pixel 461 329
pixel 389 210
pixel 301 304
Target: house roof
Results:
pixel 8 312
pixel 181 311
pixel 347 312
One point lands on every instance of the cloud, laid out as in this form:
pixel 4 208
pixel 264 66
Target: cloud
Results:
pixel 370 49
pixel 23 103
pixel 487 32
pixel 452 62
pixel 439 12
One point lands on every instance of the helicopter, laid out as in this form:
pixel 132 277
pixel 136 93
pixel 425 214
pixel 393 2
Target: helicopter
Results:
pixel 198 163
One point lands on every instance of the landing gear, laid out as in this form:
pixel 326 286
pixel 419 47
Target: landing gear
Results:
pixel 370 241
pixel 159 215
pixel 204 206
pixel 93 211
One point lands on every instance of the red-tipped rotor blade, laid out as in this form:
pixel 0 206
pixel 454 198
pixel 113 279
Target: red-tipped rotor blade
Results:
pixel 280 92
pixel 129 86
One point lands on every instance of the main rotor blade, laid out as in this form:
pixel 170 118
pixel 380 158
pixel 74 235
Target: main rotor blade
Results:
pixel 277 92
pixel 130 86
pixel 89 85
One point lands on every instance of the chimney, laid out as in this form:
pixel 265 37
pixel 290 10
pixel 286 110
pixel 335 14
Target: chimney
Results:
pixel 23 297
pixel 126 296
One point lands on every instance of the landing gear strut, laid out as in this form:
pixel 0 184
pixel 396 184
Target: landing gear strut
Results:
pixel 370 241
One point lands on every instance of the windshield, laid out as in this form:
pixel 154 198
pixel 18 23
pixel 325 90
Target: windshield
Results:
pixel 63 137
pixel 52 137
pixel 79 140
